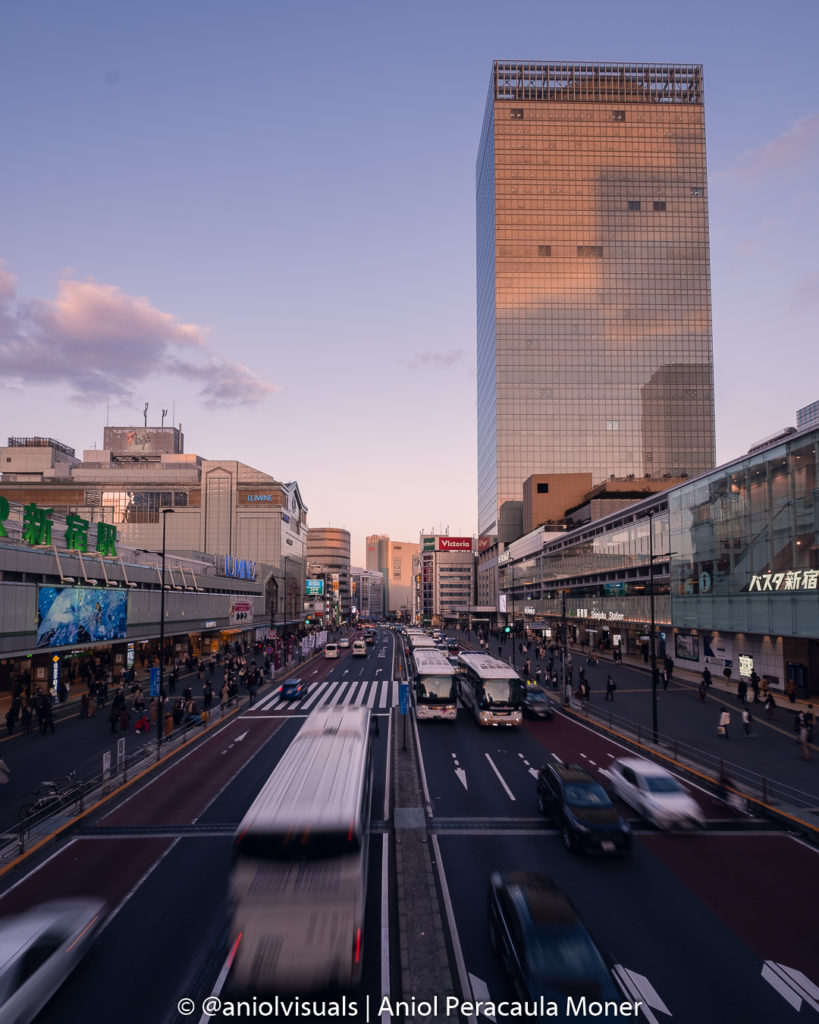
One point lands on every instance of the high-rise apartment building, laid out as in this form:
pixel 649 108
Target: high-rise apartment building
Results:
pixel 594 307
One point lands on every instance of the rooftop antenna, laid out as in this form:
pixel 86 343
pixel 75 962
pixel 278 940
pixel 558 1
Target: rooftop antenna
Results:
pixel 164 414
pixel 145 414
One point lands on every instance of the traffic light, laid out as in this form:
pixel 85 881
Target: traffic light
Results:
pixel 507 629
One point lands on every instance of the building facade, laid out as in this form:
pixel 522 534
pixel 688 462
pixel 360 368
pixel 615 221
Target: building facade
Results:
pixel 367 593
pixel 446 584
pixel 734 573
pixel 593 281
pixel 222 509
pixel 393 559
pixel 328 559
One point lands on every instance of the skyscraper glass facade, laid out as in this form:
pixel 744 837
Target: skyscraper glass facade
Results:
pixel 593 285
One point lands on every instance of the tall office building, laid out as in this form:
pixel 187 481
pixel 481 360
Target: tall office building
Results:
pixel 594 306
pixel 393 559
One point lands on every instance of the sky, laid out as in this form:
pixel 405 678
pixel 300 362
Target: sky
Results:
pixel 260 217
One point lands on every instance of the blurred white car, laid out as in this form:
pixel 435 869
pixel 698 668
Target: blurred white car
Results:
pixel 344 642
pixel 654 793
pixel 38 951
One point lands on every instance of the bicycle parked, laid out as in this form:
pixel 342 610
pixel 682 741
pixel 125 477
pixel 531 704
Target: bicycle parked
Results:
pixel 52 795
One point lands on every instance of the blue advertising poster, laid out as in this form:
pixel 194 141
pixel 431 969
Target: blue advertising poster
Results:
pixel 404 697
pixel 80 615
pixel 154 680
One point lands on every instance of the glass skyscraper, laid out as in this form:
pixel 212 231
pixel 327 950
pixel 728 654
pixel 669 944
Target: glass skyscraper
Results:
pixel 594 306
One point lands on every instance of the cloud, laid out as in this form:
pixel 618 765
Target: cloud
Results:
pixel 792 155
pixel 433 360
pixel 100 342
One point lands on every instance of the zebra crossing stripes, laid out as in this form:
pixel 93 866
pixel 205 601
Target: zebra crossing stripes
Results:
pixel 375 694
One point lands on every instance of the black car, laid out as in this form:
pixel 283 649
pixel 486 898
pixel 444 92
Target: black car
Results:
pixel 369 636
pixel 538 703
pixel 582 808
pixel 545 947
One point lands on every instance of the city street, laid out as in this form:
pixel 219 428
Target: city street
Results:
pixel 160 858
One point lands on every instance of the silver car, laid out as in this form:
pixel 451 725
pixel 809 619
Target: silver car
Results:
pixel 654 793
pixel 38 951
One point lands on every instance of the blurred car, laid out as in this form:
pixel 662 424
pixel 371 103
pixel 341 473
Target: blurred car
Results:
pixel 545 947
pixel 453 645
pixel 294 689
pixel 344 642
pixel 654 793
pixel 331 651
pixel 587 818
pixel 38 951
pixel 538 703
pixel 369 636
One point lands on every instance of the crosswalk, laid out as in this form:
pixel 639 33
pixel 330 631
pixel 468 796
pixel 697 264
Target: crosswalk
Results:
pixel 375 694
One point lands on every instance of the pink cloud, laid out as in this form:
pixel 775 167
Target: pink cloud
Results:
pixel 100 342
pixel 791 155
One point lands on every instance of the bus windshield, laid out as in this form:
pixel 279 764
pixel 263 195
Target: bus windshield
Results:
pixel 501 691
pixel 435 688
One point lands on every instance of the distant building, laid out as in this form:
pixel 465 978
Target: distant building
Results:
pixel 393 559
pixel 446 584
pixel 328 559
pixel 367 593
pixel 808 416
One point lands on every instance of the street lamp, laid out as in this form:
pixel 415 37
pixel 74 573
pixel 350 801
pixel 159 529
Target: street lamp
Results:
pixel 161 698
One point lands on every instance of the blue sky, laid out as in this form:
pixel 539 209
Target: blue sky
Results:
pixel 260 216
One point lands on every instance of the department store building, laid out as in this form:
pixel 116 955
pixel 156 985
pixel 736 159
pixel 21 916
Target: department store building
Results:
pixel 731 556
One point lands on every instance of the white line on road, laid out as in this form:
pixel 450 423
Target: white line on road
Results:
pixel 509 792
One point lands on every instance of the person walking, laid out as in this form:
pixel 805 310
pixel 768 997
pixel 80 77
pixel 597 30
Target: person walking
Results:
pixel 804 740
pixel 611 686
pixel 746 721
pixel 724 722
pixel 770 705
pixel 706 677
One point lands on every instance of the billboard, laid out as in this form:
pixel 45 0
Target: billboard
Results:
pixel 454 543
pixel 241 613
pixel 142 440
pixel 80 615
pixel 314 588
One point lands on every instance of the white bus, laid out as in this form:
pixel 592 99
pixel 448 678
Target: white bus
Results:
pixel 420 641
pixel 299 878
pixel 491 688
pixel 435 691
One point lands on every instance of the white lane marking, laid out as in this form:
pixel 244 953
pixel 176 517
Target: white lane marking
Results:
pixel 372 695
pixel 509 792
pixel 384 691
pixel 639 988
pixel 314 696
pixel 792 985
pixel 480 994
pixel 395 687
pixel 453 931
pixel 385 924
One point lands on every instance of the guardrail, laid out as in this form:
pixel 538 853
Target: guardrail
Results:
pixel 91 783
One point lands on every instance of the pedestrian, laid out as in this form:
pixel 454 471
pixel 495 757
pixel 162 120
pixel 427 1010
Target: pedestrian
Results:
pixel 755 686
pixel 746 721
pixel 665 679
pixel 809 721
pixel 724 722
pixel 804 733
pixel 706 677
pixel 611 686
pixel 26 718
pixel 742 690
pixel 790 689
pixel 47 719
pixel 770 705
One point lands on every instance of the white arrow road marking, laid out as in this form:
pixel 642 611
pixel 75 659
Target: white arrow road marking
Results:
pixel 534 773
pixel 346 670
pixel 240 737
pixel 480 994
pixel 378 670
pixel 461 775
pixel 638 987
pixel 792 985
pixel 509 792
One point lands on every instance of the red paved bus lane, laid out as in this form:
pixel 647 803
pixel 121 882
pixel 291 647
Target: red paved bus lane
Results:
pixel 110 867
pixel 759 885
pixel 180 793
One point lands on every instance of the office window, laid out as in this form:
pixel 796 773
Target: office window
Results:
pixel 634 204
pixel 618 115
pixel 542 488
pixel 659 205
pixel 516 113
pixel 697 191
pixel 544 250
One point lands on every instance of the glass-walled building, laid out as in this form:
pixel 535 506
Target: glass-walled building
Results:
pixel 594 351
pixel 734 572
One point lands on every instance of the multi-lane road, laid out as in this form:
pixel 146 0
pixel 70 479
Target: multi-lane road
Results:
pixel 711 927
